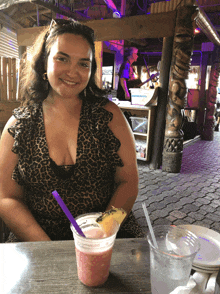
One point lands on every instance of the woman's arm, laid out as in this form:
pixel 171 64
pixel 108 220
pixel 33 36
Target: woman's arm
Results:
pixel 13 211
pixel 123 83
pixel 126 177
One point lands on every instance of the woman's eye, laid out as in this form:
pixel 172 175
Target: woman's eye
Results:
pixel 63 59
pixel 84 64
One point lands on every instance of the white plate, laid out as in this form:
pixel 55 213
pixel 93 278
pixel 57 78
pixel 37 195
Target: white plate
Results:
pixel 203 270
pixel 214 268
pixel 209 253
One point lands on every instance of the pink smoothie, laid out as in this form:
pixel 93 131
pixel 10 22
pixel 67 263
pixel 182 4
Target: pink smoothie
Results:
pixel 93 267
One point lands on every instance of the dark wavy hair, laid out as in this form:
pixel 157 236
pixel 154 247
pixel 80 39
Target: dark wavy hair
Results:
pixel 33 88
pixel 127 53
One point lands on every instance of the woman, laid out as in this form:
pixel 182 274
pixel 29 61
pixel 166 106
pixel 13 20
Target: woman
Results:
pixel 65 137
pixel 126 75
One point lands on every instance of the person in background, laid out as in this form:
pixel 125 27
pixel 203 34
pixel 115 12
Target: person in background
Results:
pixel 217 117
pixel 65 136
pixel 126 75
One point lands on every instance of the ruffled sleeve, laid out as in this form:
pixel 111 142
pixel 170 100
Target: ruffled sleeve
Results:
pixel 22 131
pixel 23 127
pixel 110 144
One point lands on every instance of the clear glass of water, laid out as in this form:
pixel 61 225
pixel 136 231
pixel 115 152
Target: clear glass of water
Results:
pixel 171 262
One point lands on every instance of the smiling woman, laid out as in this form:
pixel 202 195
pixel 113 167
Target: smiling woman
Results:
pixel 68 137
pixel 69 66
pixel 60 36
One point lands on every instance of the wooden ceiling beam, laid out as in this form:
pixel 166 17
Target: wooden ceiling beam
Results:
pixel 34 13
pixel 137 27
pixel 13 11
pixel 61 9
pixel 8 22
pixel 139 42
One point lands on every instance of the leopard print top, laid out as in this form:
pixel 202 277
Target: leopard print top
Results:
pixel 86 186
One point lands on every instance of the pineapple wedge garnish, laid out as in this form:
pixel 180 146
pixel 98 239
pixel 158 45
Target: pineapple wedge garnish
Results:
pixel 107 220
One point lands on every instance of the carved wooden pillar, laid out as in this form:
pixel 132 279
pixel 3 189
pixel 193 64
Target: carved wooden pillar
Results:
pixel 208 130
pixel 182 52
pixel 159 129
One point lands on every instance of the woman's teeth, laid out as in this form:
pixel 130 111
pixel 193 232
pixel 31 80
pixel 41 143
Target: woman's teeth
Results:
pixel 69 83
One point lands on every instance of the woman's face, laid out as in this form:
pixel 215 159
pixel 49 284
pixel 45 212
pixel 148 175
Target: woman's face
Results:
pixel 69 65
pixel 134 55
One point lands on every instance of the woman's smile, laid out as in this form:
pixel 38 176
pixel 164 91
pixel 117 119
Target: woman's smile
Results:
pixel 68 82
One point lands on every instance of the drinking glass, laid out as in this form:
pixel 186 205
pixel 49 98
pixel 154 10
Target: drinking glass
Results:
pixel 171 262
pixel 93 254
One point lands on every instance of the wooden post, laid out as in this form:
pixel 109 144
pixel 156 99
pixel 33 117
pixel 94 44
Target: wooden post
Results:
pixel 1 83
pixel 208 130
pixel 160 120
pixel 9 80
pixel 4 78
pixel 14 79
pixel 21 51
pixel 98 57
pixel 182 52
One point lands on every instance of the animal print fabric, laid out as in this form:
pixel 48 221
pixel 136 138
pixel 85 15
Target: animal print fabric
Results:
pixel 86 186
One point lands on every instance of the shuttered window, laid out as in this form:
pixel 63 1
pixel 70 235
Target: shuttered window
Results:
pixel 8 43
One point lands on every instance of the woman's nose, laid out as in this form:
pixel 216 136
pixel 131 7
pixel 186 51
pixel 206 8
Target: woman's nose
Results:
pixel 72 70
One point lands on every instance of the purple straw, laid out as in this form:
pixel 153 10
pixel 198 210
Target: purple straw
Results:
pixel 67 212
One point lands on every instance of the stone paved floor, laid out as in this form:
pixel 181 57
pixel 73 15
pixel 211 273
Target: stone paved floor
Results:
pixel 189 197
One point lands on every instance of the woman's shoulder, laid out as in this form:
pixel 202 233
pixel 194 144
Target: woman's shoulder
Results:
pixel 26 112
pixel 96 103
pixel 102 117
pixel 115 110
pixel 112 107
pixel 5 137
pixel 106 106
pixel 22 120
pixel 18 113
pixel 12 120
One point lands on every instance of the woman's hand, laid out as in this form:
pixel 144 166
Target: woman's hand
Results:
pixel 127 95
